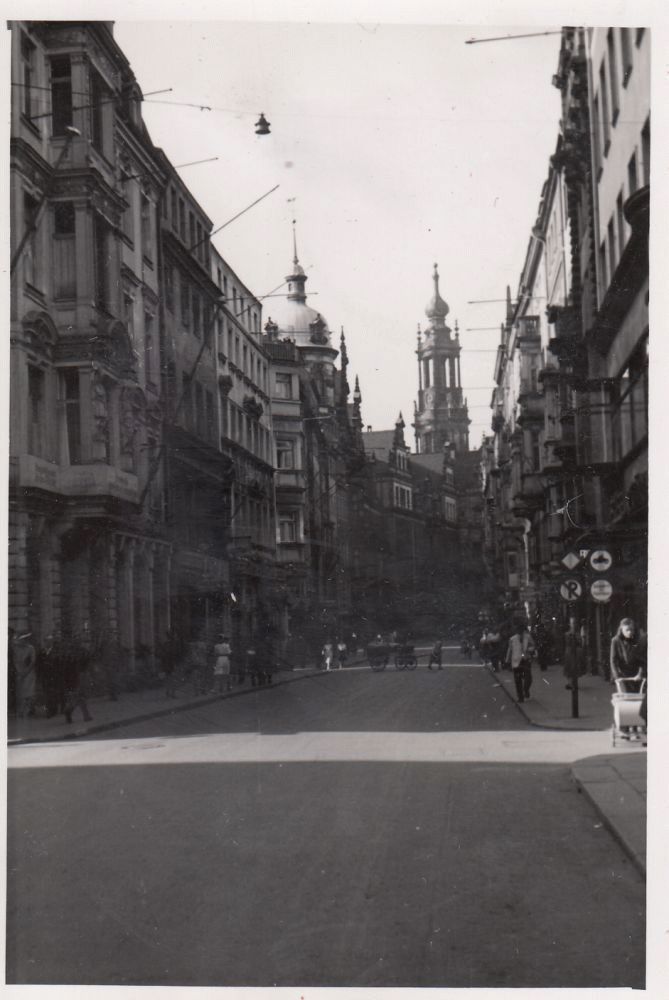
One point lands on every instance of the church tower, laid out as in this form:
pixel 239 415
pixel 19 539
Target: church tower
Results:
pixel 440 416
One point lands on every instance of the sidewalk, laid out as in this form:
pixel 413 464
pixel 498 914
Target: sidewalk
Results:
pixel 549 705
pixel 614 783
pixel 135 706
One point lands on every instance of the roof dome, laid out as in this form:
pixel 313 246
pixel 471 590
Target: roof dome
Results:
pixel 294 318
pixel 436 309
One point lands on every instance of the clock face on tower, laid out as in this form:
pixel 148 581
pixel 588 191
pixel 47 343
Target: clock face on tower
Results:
pixel 429 397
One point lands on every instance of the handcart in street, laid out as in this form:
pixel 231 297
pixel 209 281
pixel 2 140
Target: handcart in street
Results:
pixel 628 723
pixel 403 655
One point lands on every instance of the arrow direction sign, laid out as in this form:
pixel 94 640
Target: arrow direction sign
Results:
pixel 601 560
pixel 571 590
pixel 570 560
pixel 601 590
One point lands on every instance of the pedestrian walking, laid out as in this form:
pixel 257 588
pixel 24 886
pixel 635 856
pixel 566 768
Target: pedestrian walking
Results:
pixel 435 656
pixel 519 655
pixel 484 647
pixel 222 653
pixel 327 655
pixel 76 661
pixel 628 654
pixel 26 675
pixel 342 653
pixel 495 649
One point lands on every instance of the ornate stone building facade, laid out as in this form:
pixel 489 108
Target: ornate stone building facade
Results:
pixel 87 555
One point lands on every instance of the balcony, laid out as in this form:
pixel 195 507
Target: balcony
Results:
pixel 565 447
pixel 530 497
pixel 530 407
pixel 529 330
pixel 95 480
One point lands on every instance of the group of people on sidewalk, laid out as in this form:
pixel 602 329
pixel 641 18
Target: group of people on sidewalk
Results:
pixel 212 668
pixel 59 676
pixel 628 658
pixel 55 673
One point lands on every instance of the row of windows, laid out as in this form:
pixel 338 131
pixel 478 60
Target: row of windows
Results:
pixel 187 226
pixel 63 257
pixel 233 346
pixel 97 424
pixel 617 230
pixel 247 314
pixel 244 430
pixel 402 496
pixel 193 307
pixel 613 75
pixel 254 517
pixel 97 109
pixel 629 412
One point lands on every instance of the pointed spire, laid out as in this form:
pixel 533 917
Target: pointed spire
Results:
pixel 298 270
pixel 398 436
pixel 295 257
pixel 356 420
pixel 343 353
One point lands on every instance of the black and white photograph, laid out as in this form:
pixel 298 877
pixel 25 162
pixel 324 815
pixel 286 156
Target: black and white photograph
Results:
pixel 327 585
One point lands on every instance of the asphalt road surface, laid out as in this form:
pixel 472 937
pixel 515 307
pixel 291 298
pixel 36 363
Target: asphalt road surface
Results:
pixel 350 829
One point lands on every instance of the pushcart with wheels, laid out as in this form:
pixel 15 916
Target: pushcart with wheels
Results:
pixel 626 700
pixel 378 654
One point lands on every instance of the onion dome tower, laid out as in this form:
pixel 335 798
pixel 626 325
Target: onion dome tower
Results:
pixel 440 416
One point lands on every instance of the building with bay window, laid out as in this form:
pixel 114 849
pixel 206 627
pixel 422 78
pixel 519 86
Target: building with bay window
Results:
pixel 88 554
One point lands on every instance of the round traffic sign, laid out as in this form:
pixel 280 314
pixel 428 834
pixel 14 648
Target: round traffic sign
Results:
pixel 601 590
pixel 571 590
pixel 601 560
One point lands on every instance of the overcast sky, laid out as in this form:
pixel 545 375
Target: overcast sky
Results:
pixel 401 145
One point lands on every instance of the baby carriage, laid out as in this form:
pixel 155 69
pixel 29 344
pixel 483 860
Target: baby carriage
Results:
pixel 627 721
